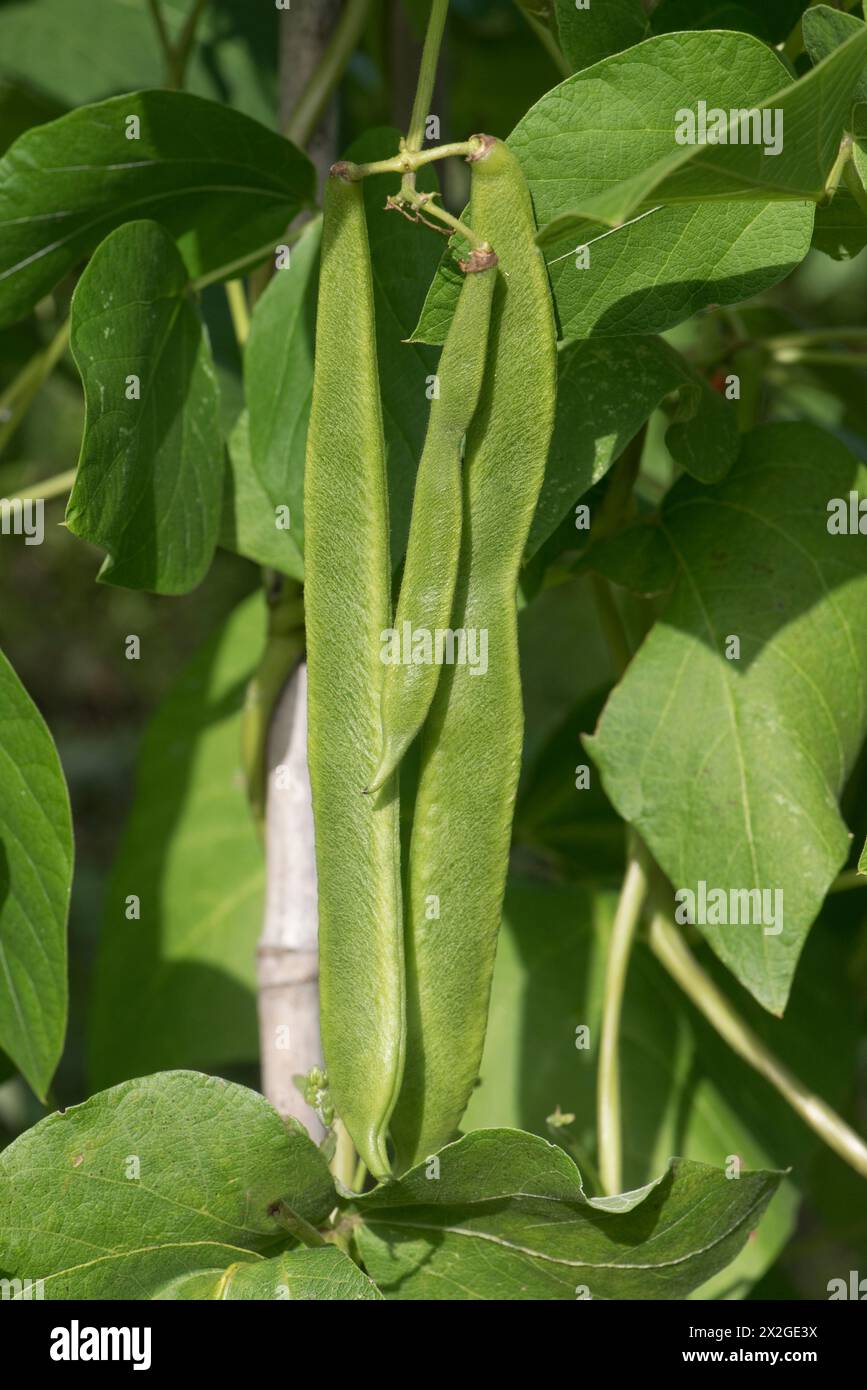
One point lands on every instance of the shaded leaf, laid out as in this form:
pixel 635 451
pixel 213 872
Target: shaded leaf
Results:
pixel 278 379
pixel 248 521
pixel 325 1273
pixel 150 475
pixel 35 880
pixel 771 20
pixel 507 1218
pixel 191 856
pixel 825 30
pixel 606 390
pixel 841 227
pixel 78 51
pixel 590 34
pixel 142 1183
pixel 221 184
pixel 732 769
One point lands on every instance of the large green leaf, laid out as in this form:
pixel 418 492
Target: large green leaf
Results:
pixel 35 879
pixel 191 856
pixel 151 1180
pixel 738 162
pixel 611 122
pixel 616 121
pixel 732 768
pixel 590 34
pixel 223 185
pixel 606 390
pixel 150 477
pixel 505 1217
pixel 83 50
pixel 317 1273
pixel 772 20
pixel 278 377
pixel 683 1090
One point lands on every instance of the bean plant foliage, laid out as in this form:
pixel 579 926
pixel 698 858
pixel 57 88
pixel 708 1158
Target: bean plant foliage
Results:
pixel 530 454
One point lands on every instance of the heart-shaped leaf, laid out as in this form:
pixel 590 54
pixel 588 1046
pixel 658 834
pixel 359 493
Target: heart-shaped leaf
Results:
pixel 729 740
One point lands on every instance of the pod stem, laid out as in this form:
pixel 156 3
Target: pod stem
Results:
pixel 609 1137
pixel 424 87
pixel 424 203
pixel 406 161
pixel 672 952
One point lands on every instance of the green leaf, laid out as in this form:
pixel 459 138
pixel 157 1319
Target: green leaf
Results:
pixel 731 769
pixel 150 476
pixel 325 1273
pixel 590 34
pixel 655 272
pixel 78 51
pixel 771 20
pixel 278 378
pixel 745 158
pixel 841 228
pixel 506 1217
pixel 190 854
pixel 825 30
pixel 224 186
pixel 20 109
pixel 148 1181
pixel 682 1088
pixel 606 390
pixel 404 257
pixel 248 521
pixel 862 862
pixel 35 880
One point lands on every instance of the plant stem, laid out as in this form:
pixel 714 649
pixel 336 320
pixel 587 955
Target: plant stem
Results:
pixel 297 1226
pixel 608 1124
pixel 815 335
pixel 408 161
pixel 52 487
pixel 326 75
pixel 343 1162
pixel 239 310
pixel 611 622
pixel 671 950
pixel 424 203
pixel 820 358
pixel 424 87
pixel 184 46
pixel 17 398
pixel 163 35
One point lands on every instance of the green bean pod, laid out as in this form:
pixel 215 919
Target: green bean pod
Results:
pixel 427 589
pixel 471 743
pixel 347 605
